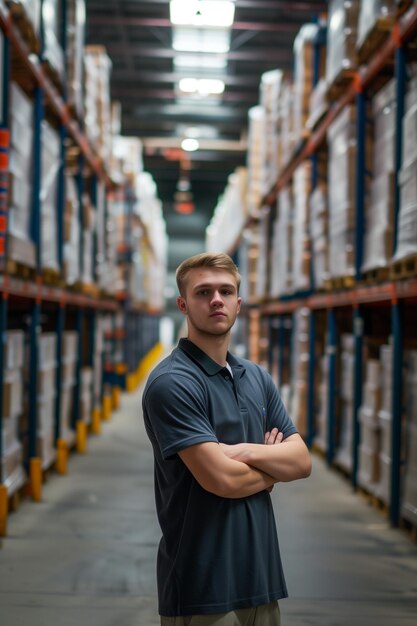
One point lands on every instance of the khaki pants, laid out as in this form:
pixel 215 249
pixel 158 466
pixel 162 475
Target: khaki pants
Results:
pixel 265 615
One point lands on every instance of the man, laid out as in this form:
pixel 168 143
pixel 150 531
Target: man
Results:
pixel 209 415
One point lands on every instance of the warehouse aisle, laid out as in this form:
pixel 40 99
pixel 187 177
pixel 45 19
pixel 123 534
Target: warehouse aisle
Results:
pixel 86 554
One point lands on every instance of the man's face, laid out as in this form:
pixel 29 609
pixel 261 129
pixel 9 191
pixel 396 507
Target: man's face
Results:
pixel 211 302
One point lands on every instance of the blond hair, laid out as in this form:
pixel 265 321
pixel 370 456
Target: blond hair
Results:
pixel 218 260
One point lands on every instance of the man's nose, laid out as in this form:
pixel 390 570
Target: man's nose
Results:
pixel 216 299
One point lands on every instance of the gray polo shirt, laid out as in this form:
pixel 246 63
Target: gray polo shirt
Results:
pixel 216 554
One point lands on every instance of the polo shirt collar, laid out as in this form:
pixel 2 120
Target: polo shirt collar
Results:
pixel 206 363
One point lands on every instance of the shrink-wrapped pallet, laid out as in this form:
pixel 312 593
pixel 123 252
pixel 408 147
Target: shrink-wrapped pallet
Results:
pixel 319 233
pixel 379 208
pixel 50 164
pixel 46 399
pixel 382 489
pixel 343 454
pixel 288 136
pixel 71 266
pixel 281 250
pixel 341 187
pixel 270 99
pixel 52 49
pixel 300 360
pixel 68 381
pixel 301 244
pixel 97 108
pixel 256 157
pixel 322 404
pixel 407 217
pixel 11 462
pixel 76 19
pixel 230 213
pixel 21 247
pixel 341 39
pixel 376 18
pixel 409 501
pixel 304 44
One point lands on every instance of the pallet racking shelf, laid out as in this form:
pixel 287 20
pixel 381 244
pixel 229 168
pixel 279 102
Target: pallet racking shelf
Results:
pixel 356 302
pixel 42 302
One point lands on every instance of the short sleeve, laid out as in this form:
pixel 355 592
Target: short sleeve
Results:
pixel 175 411
pixel 277 416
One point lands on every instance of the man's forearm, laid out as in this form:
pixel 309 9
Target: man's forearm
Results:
pixel 285 462
pixel 243 480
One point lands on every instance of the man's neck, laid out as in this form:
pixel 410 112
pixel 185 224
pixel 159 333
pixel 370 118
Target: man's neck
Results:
pixel 215 347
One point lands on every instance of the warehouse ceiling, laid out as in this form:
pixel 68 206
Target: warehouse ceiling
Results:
pixel 139 36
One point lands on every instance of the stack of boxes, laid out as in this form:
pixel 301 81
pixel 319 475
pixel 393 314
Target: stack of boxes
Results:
pixel 301 244
pixel 97 110
pixel 407 218
pixel 74 56
pixel 256 157
pixel 300 367
pixel 281 251
pixel 20 244
pixel 319 233
pixel 71 265
pixel 50 164
pixel 69 361
pixel 409 505
pixel 52 50
pixel 375 20
pixel 345 435
pixel 303 75
pixel 341 187
pixel 270 99
pixel 378 236
pixel 286 124
pixel 46 399
pixel 322 410
pixel 341 39
pixel 89 229
pixel 11 469
pixel 368 416
pixel 86 394
pixel 385 425
pixel 230 213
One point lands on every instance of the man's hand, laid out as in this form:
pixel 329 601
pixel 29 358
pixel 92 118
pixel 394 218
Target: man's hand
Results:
pixel 273 437
pixel 237 451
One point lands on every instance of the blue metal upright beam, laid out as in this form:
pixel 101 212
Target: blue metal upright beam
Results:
pixel 271 343
pixel 357 390
pixel 311 378
pixel 397 370
pixel 360 181
pixel 331 391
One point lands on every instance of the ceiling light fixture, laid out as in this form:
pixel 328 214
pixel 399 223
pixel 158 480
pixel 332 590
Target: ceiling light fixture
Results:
pixel 211 13
pixel 201 86
pixel 208 41
pixel 200 62
pixel 190 144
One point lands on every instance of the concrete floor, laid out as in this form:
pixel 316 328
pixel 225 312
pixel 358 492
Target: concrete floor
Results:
pixel 86 554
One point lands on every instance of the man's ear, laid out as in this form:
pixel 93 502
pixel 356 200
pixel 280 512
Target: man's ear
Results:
pixel 239 304
pixel 182 305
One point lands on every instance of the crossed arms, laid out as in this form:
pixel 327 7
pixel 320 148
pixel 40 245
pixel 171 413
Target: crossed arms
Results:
pixel 238 471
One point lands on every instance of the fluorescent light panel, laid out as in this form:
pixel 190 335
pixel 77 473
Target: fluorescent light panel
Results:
pixel 200 40
pixel 182 61
pixel 190 144
pixel 211 13
pixel 201 86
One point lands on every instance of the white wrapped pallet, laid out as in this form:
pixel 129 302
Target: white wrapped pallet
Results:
pixel 301 244
pixel 319 232
pixel 379 209
pixel 11 462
